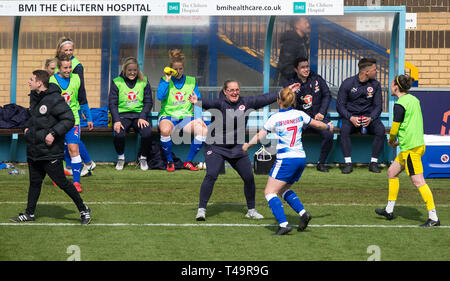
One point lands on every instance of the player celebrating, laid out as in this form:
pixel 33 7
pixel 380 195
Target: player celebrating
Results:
pixel 287 124
pixel 408 128
pixel 69 83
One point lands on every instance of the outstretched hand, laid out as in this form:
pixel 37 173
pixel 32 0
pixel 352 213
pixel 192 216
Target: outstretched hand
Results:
pixel 294 87
pixel 193 98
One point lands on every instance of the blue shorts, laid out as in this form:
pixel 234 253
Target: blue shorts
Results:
pixel 180 123
pixel 288 169
pixel 73 136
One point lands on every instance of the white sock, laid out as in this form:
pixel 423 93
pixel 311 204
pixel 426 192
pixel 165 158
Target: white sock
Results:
pixel 390 206
pixel 143 157
pixel 348 159
pixel 270 196
pixel 302 212
pixel 284 224
pixel 432 215
pixel 200 138
pixel 374 160
pixel 165 139
pixel 121 157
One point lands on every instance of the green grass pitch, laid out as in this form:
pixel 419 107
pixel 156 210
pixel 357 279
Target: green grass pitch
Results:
pixel 150 216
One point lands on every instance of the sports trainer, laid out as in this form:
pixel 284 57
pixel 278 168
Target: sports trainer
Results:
pixel 313 97
pixel 361 96
pixel 407 127
pixel 225 144
pixel 50 119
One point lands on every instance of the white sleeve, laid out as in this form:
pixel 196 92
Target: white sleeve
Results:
pixel 306 118
pixel 269 126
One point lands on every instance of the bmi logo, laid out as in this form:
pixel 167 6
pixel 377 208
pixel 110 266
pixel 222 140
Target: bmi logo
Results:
pixel 445 158
pixel 173 7
pixel 299 7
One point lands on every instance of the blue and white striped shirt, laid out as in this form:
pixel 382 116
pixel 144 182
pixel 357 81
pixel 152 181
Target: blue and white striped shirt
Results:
pixel 288 124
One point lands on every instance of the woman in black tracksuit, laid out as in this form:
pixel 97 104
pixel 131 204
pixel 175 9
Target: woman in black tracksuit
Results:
pixel 227 144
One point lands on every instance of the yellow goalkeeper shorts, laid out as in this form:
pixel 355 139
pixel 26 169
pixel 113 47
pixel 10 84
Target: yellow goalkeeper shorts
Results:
pixel 411 160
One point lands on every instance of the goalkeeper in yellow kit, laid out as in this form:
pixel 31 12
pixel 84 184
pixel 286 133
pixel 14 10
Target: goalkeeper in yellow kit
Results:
pixel 407 127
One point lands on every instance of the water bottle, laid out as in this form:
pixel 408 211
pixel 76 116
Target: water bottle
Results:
pixel 363 129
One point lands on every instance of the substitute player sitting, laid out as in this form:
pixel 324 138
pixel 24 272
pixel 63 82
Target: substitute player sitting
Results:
pixel 287 125
pixel 408 128
pixel 173 91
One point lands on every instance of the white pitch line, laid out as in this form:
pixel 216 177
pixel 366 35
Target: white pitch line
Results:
pixel 214 225
pixel 196 203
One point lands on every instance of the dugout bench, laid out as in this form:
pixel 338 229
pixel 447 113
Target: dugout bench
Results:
pixel 100 145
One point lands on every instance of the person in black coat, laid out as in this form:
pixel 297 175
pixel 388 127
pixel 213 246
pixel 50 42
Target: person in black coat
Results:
pixel 294 43
pixel 50 119
pixel 313 97
pixel 359 104
pixel 225 141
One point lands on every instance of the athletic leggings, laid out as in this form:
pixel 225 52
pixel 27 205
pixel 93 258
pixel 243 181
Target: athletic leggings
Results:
pixel 214 163
pixel 146 136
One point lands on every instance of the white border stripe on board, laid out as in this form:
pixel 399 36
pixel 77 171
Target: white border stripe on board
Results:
pixel 213 225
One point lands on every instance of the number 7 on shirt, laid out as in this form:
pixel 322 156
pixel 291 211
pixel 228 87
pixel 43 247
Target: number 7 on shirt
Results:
pixel 294 134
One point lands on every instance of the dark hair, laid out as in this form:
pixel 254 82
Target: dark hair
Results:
pixel 366 62
pixel 225 84
pixel 63 57
pixel 294 20
pixel 404 82
pixel 299 60
pixel 43 76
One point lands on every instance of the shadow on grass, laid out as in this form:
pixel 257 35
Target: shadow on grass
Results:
pixel 56 212
pixel 410 213
pixel 217 208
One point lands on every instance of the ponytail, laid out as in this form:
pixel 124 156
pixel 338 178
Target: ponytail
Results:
pixel 287 97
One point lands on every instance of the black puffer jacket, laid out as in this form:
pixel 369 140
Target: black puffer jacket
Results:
pixel 49 113
pixel 292 46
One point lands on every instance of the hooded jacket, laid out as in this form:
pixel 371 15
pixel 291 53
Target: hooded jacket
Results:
pixel 292 46
pixel 49 113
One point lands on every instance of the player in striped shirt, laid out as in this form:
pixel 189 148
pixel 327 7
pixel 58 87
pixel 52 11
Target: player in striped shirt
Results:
pixel 287 125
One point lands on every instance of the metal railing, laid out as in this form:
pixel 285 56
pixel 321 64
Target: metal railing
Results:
pixel 335 49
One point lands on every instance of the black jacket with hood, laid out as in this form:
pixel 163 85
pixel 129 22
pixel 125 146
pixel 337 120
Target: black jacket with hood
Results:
pixel 292 46
pixel 49 113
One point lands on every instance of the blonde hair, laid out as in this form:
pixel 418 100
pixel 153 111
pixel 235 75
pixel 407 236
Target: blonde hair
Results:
pixel 176 56
pixel 287 97
pixel 62 40
pixel 49 61
pixel 132 60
